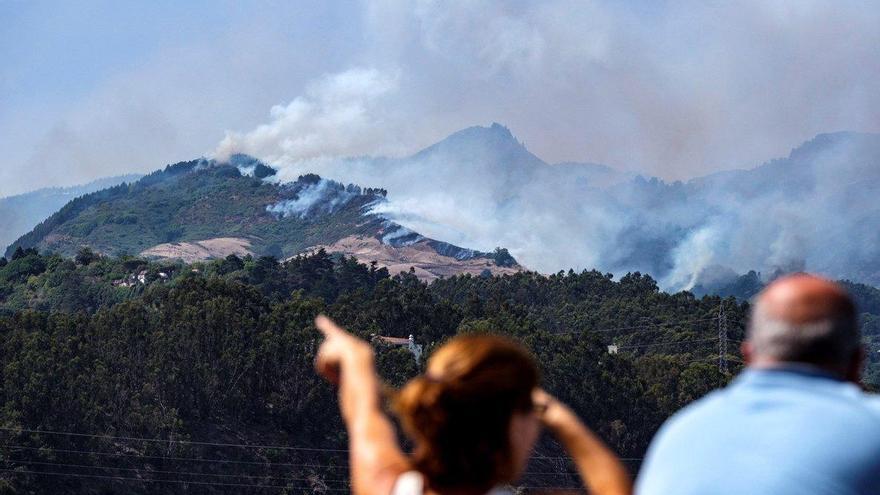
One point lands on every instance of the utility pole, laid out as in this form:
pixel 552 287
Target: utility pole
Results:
pixel 722 340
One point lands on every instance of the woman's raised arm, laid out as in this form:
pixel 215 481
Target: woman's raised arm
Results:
pixel 599 467
pixel 375 458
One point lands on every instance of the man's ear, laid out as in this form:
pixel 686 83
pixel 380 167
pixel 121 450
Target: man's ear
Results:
pixel 854 369
pixel 746 349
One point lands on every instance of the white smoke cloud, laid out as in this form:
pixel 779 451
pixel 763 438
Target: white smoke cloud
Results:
pixel 324 196
pixel 464 195
pixel 692 257
pixel 524 40
pixel 671 89
pixel 339 115
pixel 480 189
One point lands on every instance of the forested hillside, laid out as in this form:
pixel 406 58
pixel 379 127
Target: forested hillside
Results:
pixel 169 378
pixel 221 352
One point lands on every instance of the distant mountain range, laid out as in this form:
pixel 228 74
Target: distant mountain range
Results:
pixel 813 209
pixel 480 187
pixel 21 212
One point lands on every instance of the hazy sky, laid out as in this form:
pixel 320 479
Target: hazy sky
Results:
pixel 674 89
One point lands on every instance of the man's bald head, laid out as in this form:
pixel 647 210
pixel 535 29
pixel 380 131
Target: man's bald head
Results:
pixel 806 319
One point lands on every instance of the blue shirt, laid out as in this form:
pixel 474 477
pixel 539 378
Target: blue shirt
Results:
pixel 792 430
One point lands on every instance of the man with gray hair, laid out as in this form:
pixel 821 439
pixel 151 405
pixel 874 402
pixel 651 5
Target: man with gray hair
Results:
pixel 794 422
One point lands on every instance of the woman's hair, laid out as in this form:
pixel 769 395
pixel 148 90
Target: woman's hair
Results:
pixel 459 412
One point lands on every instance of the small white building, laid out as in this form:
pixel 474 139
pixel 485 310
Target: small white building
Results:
pixel 410 343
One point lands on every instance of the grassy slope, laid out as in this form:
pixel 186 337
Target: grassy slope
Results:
pixel 184 203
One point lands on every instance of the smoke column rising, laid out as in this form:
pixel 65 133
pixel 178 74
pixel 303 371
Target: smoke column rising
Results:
pixel 480 188
pixel 676 91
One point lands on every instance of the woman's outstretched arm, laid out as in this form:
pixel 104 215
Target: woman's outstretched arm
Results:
pixel 375 459
pixel 599 467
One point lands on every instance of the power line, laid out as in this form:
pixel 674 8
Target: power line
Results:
pixel 265 478
pixel 558 489
pixel 251 463
pixel 225 461
pixel 722 338
pixel 241 485
pixel 653 326
pixel 185 482
pixel 159 471
pixel 706 360
pixel 172 458
pixel 657 344
pixel 160 440
pixel 544 457
pixel 251 476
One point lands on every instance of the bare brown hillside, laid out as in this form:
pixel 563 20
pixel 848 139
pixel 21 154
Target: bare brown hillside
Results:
pixel 419 256
pixel 218 247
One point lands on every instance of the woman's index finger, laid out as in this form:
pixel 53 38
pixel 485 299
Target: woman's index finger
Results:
pixel 327 326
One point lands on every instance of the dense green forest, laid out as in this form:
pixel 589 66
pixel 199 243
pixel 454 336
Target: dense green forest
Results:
pixel 121 375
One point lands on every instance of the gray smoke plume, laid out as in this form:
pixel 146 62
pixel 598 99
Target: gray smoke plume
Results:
pixel 481 188
pixel 323 196
pixel 672 91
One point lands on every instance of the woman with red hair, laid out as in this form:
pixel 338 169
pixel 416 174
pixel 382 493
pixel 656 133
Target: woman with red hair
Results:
pixel 474 417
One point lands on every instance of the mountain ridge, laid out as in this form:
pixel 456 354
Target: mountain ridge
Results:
pixel 481 187
pixel 203 209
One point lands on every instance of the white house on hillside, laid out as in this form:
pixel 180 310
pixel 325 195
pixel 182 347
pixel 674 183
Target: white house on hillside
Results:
pixel 410 343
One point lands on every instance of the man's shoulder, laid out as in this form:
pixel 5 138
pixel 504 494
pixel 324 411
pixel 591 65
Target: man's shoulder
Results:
pixel 710 408
pixel 857 406
pixel 771 423
pixel 710 404
pixel 671 450
pixel 871 404
pixel 730 406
